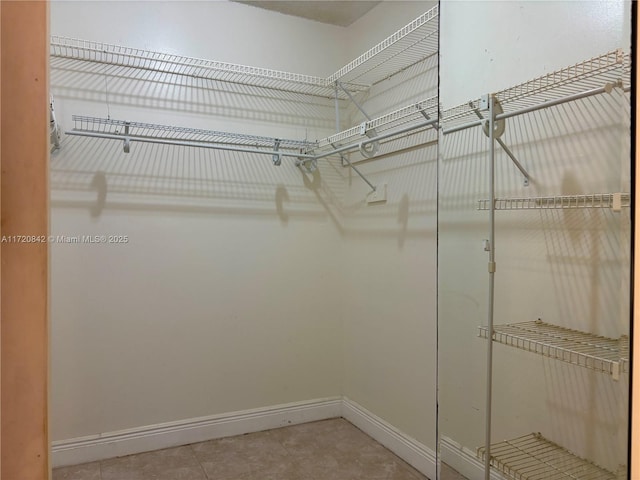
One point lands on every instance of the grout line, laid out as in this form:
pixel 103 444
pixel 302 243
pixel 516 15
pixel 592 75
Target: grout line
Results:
pixel 195 455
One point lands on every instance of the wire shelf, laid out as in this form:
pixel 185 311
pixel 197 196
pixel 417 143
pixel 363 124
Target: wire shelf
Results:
pixel 610 68
pixel 183 134
pixel 587 350
pixel 89 51
pixel 533 457
pixel 411 44
pixel 597 200
pixel 403 116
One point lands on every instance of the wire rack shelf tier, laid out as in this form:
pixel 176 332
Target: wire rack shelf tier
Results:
pixel 165 63
pixel 184 134
pixel 411 44
pixel 597 200
pixel 427 108
pixel 610 69
pixel 602 354
pixel 533 457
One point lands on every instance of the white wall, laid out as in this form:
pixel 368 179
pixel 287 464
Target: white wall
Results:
pixel 390 252
pixel 245 285
pixel 242 285
pixel 227 295
pixel 567 268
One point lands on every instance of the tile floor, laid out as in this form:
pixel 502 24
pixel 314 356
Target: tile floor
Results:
pixel 326 450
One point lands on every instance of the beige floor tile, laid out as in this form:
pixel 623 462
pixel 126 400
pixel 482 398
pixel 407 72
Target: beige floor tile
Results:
pixel 235 457
pixel 326 450
pixel 86 471
pixel 336 449
pixel 448 473
pixel 170 464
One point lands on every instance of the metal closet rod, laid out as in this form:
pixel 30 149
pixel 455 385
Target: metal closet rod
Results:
pixel 184 143
pixel 550 103
pixel 163 141
pixel 134 138
pixel 377 138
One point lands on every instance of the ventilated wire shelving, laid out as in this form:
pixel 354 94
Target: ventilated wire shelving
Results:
pixel 190 137
pixel 166 132
pixel 411 44
pixel 597 75
pixel 597 200
pixel 533 457
pixel 602 354
pixel 134 59
pixel 414 114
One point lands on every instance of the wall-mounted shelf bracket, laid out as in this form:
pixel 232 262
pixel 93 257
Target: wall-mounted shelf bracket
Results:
pixel 276 158
pixel 368 150
pixel 353 100
pixel 309 165
pixel 345 160
pixel 54 127
pixel 127 139
pixel 499 131
pixel 426 116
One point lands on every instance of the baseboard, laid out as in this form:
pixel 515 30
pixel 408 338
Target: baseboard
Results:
pixel 464 460
pixel 153 437
pixel 410 450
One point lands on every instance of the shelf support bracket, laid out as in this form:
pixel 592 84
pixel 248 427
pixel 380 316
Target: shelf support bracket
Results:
pixel 127 140
pixel 276 158
pixel 353 100
pixel 346 160
pixel 426 116
pixel 369 149
pixel 506 149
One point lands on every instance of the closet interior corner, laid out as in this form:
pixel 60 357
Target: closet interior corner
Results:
pixel 418 220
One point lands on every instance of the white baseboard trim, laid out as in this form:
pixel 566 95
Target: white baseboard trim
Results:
pixel 153 437
pixel 410 450
pixel 464 460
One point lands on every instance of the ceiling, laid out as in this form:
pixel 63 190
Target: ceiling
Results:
pixel 335 12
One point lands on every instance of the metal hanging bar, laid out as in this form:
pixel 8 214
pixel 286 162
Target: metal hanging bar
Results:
pixel 354 146
pixel 506 149
pixel 274 150
pixel 446 131
pixel 186 143
pixel 607 88
pixel 550 103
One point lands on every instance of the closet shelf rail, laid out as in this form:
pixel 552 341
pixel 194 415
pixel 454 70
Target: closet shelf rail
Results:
pixel 411 44
pixel 614 201
pixel 533 457
pixel 169 64
pixel 602 354
pixel 192 137
pixel 410 114
pixel 590 77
